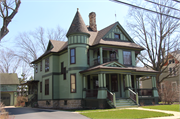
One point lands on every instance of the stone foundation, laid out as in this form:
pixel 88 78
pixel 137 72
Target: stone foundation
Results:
pixel 62 104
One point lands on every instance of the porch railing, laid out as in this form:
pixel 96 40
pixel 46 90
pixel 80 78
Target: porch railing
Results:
pixel 145 92
pixel 105 59
pixel 111 96
pixel 91 93
pixel 134 96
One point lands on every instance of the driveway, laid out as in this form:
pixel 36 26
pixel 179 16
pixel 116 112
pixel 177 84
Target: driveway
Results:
pixel 35 113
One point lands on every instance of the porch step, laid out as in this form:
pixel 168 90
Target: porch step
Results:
pixel 123 103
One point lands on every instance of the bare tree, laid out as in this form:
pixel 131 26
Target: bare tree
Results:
pixel 8 9
pixel 9 62
pixel 157 33
pixel 33 44
pixel 169 92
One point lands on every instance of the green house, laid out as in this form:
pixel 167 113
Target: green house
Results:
pixel 8 88
pixel 93 69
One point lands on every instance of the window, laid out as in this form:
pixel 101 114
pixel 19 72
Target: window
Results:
pixel 127 58
pixel 47 87
pixel 112 55
pixel 47 64
pixel 172 60
pixel 114 83
pixel 40 87
pixel 117 36
pixel 73 83
pixel 169 61
pixel 64 74
pixel 72 56
pixel 36 68
pixel 41 66
pixel 174 86
pixel 62 67
pixel 174 71
pixel 88 56
pixel 170 70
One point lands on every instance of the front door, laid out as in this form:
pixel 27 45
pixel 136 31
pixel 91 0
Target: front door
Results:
pixel 114 83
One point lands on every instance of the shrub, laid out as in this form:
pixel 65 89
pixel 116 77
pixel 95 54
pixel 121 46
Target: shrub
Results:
pixel 21 101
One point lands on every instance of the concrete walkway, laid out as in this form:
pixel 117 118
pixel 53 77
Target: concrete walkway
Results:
pixel 176 114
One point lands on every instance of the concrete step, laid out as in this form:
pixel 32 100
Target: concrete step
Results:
pixel 122 103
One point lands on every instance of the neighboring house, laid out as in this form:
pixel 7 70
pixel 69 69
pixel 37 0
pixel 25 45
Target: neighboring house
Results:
pixel 172 69
pixel 93 69
pixel 9 83
pixel 171 73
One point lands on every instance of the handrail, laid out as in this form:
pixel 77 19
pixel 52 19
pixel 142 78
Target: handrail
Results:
pixel 111 96
pixel 134 96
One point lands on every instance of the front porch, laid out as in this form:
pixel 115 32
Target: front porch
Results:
pixel 104 88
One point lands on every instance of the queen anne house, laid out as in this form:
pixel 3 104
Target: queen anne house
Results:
pixel 93 69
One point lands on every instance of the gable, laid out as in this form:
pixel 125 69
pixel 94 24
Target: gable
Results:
pixel 50 46
pixel 114 64
pixel 119 31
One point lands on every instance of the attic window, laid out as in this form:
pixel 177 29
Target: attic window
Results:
pixel 117 36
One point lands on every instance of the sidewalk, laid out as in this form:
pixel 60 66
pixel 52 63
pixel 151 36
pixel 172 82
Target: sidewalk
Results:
pixel 176 114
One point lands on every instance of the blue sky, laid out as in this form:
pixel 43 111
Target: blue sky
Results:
pixel 50 13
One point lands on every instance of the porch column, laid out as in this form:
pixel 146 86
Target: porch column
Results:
pixel 127 85
pixel 84 86
pixel 104 76
pixel 135 83
pixel 101 55
pixel 102 92
pixel 155 93
pixel 100 80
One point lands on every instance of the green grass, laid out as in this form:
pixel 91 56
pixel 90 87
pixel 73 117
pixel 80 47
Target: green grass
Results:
pixel 165 107
pixel 123 113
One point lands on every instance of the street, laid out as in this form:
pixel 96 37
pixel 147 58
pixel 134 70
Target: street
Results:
pixel 35 113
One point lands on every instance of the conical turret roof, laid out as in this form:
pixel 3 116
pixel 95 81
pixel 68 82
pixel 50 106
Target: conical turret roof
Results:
pixel 77 25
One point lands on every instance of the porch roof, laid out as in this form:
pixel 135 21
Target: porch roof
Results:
pixel 30 82
pixel 120 67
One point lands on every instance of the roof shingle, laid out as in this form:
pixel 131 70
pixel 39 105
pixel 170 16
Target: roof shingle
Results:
pixel 77 25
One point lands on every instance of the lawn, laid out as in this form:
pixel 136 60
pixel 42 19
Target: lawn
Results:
pixel 165 107
pixel 123 113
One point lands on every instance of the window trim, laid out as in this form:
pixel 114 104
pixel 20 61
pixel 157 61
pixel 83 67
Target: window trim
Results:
pixel 130 58
pixel 46 91
pixel 71 85
pixel 73 56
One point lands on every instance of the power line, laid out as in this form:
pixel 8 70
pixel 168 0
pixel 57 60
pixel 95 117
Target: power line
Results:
pixel 145 9
pixel 176 1
pixel 162 5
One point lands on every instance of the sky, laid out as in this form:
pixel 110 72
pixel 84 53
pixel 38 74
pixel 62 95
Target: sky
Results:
pixel 51 13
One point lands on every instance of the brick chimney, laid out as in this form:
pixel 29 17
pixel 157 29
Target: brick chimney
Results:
pixel 92 21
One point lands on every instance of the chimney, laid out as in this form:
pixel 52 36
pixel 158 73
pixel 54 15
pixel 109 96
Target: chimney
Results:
pixel 92 21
